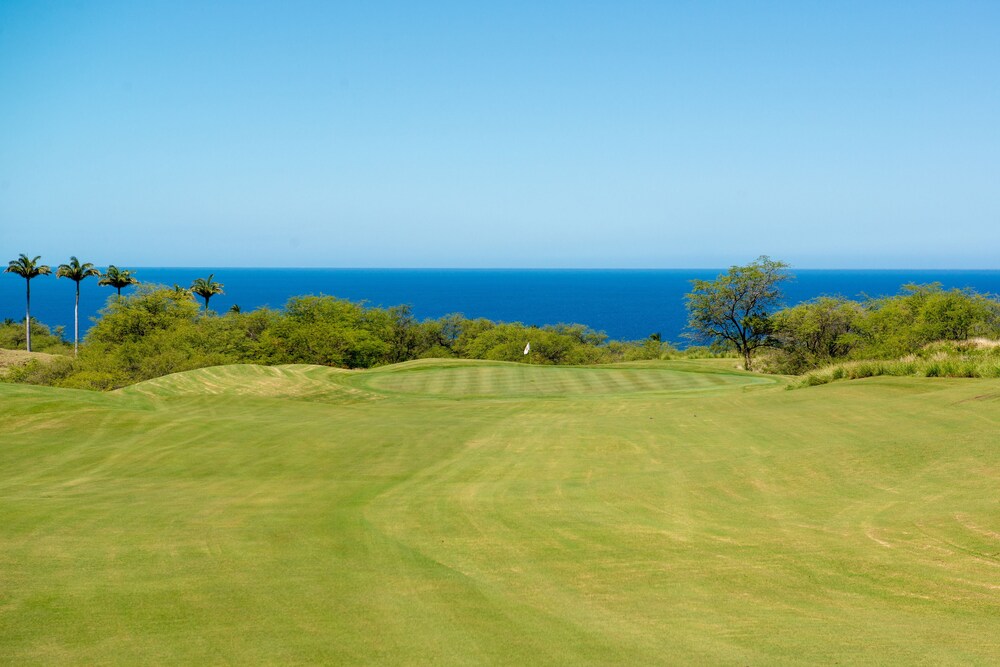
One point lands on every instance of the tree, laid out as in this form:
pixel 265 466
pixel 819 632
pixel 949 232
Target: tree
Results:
pixel 206 288
pixel 76 272
pixel 816 333
pixel 27 269
pixel 735 308
pixel 117 278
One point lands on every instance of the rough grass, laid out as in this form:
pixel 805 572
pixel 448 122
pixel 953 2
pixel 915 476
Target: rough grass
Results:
pixel 443 513
pixel 973 358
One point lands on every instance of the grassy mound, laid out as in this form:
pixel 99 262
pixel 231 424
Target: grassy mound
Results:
pixel 316 383
pixel 226 516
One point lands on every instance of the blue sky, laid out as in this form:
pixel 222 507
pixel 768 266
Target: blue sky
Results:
pixel 516 134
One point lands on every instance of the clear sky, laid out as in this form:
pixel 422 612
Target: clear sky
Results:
pixel 513 134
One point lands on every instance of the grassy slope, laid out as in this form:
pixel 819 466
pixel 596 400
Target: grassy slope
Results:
pixel 11 358
pixel 477 512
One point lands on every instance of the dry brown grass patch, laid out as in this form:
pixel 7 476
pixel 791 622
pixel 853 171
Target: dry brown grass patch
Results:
pixel 12 358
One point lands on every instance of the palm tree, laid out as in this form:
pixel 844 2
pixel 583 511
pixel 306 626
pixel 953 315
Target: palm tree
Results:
pixel 76 272
pixel 117 278
pixel 206 288
pixel 27 269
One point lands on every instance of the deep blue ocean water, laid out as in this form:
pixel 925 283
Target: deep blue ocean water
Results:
pixel 625 304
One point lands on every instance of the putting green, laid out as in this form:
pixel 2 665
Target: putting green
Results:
pixel 463 379
pixel 654 513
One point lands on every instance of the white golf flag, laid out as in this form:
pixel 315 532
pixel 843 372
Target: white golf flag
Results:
pixel 527 348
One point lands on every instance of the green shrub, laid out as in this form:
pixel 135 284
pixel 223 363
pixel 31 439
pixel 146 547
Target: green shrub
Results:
pixel 43 339
pixel 827 330
pixel 90 379
pixel 36 371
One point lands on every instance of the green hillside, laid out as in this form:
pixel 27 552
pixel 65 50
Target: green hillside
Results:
pixel 476 512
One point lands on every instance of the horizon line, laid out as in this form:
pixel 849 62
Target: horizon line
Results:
pixel 543 268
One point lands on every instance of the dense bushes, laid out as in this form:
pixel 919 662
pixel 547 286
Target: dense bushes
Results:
pixel 813 333
pixel 12 337
pixel 829 330
pixel 156 331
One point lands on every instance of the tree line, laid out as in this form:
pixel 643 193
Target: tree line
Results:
pixel 159 330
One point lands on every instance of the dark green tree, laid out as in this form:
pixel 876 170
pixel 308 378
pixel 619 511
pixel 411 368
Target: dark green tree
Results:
pixel 27 269
pixel 206 288
pixel 76 272
pixel 117 278
pixel 735 309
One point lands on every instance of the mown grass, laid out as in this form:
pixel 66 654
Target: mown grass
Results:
pixel 471 379
pixel 457 513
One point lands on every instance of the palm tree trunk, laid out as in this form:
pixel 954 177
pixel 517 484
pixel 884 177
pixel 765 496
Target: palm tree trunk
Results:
pixel 27 317
pixel 76 322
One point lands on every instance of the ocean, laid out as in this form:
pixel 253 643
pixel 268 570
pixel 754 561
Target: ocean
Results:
pixel 625 304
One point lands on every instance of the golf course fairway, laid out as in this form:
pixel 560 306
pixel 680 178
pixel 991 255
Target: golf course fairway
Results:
pixel 459 512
